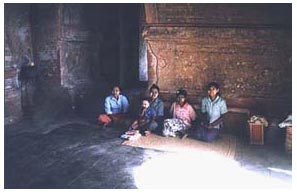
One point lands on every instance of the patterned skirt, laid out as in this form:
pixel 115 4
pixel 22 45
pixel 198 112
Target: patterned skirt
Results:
pixel 172 126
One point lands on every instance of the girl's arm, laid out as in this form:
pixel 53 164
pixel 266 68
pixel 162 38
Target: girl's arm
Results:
pixel 216 122
pixel 171 111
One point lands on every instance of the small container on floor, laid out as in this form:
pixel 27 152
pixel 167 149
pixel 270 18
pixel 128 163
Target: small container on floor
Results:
pixel 256 133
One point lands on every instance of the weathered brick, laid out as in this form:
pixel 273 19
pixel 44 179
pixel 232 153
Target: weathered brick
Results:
pixel 247 50
pixel 18 47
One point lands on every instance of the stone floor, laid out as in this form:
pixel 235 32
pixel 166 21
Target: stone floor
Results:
pixel 75 153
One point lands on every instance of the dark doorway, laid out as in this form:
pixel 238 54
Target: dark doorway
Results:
pixel 114 37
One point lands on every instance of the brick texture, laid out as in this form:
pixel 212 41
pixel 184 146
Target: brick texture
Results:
pixel 246 49
pixel 46 33
pixel 18 52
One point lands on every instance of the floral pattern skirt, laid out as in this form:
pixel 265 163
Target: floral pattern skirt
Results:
pixel 172 126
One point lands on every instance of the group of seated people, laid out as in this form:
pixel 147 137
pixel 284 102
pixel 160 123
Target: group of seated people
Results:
pixel 183 118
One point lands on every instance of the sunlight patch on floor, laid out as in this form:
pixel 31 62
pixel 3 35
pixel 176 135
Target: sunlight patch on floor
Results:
pixel 287 172
pixel 206 170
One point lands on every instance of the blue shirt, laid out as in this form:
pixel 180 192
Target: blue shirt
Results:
pixel 150 113
pixel 114 106
pixel 158 106
pixel 214 109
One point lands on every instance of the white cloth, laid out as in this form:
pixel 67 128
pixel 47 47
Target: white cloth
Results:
pixel 287 122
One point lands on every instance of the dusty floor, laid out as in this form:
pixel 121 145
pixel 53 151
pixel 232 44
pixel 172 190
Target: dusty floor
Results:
pixel 75 153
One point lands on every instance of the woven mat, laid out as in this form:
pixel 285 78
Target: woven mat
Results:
pixel 225 145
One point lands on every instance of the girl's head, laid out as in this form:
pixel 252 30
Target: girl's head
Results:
pixel 116 91
pixel 181 96
pixel 145 103
pixel 213 90
pixel 154 91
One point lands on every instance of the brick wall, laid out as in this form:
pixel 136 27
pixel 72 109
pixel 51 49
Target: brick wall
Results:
pixel 246 48
pixel 18 52
pixel 46 34
pixel 76 48
pixel 12 92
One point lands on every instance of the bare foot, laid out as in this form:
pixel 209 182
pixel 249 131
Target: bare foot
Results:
pixel 105 125
pixel 184 136
pixel 146 133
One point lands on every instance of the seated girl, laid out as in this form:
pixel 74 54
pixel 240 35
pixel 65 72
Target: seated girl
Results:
pixel 183 115
pixel 146 118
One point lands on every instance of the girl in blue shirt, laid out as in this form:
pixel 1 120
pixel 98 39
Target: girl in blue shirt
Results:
pixel 116 107
pixel 213 108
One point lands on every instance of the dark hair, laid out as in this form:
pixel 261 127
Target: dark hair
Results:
pixel 154 86
pixel 216 85
pixel 213 84
pixel 145 99
pixel 116 86
pixel 181 92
